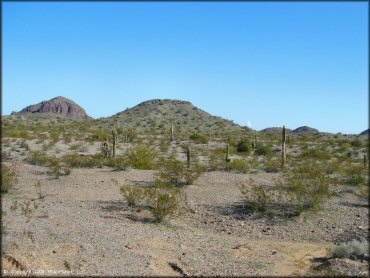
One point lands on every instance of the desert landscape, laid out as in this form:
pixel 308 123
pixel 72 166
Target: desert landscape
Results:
pixel 165 188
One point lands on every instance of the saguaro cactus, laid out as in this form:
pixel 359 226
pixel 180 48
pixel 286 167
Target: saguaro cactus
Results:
pixel 105 149
pixel 114 138
pixel 365 161
pixel 188 156
pixel 227 159
pixel 283 148
pixel 171 129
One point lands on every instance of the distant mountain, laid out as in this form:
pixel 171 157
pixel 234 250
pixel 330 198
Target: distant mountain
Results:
pixel 365 132
pixel 59 105
pixel 154 116
pixel 274 130
pixel 305 130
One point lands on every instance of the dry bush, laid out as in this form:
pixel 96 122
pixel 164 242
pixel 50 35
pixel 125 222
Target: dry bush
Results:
pixel 308 186
pixel 9 177
pixel 352 248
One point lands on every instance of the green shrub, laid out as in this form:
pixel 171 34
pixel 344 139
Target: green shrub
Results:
pixel 272 165
pixel 58 168
pixel 174 172
pixel 255 197
pixel 263 150
pixel 316 153
pixel 351 248
pixel 217 159
pixel 164 201
pixel 354 175
pixel 38 158
pixel 308 186
pixel 119 163
pixel 239 165
pixel 142 157
pixel 132 194
pixel 9 177
pixel 199 138
pixel 356 143
pixel 244 145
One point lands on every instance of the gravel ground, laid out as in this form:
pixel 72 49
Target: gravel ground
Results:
pixel 84 227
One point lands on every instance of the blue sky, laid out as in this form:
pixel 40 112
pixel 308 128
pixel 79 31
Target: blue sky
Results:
pixel 267 64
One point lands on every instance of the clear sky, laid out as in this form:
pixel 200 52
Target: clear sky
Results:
pixel 264 64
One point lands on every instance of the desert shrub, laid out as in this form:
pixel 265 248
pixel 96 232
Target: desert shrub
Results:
pixel 356 143
pixel 38 186
pixel 164 201
pixel 351 248
pixel 54 137
pixel 142 157
pixel 18 134
pixel 217 159
pixel 76 160
pixel 272 165
pixel 132 194
pixel 174 172
pixel 239 165
pixel 263 150
pixel 244 145
pixel 316 154
pixel 354 175
pixel 38 158
pixel 199 138
pixel 308 186
pixel 363 192
pixel 9 177
pixel 99 135
pixel 255 197
pixel 119 163
pixel 58 168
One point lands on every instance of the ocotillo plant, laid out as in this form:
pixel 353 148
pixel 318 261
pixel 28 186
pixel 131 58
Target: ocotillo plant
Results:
pixel 227 159
pixel 114 137
pixel 188 156
pixel 283 148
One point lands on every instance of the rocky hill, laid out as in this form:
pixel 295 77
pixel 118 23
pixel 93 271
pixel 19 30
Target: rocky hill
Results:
pixel 155 116
pixel 305 130
pixel 57 106
pixel 365 132
pixel 274 130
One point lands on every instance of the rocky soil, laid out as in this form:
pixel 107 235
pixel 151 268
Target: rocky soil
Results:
pixel 83 226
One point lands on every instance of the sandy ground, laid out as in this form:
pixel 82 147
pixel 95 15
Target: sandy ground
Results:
pixel 84 227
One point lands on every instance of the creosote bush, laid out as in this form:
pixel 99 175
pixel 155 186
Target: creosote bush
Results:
pixel 255 197
pixel 142 157
pixel 58 168
pixel 199 138
pixel 175 172
pixel 244 145
pixel 9 177
pixel 349 249
pixel 239 165
pixel 308 186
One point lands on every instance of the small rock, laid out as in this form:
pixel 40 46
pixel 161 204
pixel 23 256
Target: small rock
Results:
pixel 273 252
pixel 129 246
pixel 361 228
pixel 54 251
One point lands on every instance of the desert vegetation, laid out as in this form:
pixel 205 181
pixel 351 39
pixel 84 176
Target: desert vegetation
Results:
pixel 155 166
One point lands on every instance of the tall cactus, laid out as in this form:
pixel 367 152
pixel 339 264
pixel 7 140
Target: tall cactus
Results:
pixel 365 161
pixel 114 138
pixel 171 129
pixel 283 148
pixel 227 159
pixel 188 156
